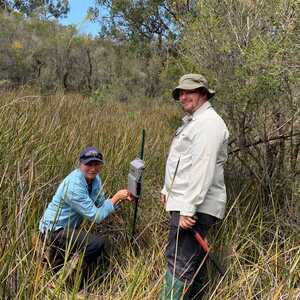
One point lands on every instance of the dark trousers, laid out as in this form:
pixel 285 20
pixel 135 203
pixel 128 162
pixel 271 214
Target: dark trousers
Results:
pixel 68 241
pixel 185 257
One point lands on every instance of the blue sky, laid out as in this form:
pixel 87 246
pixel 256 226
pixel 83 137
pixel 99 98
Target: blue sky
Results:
pixel 77 14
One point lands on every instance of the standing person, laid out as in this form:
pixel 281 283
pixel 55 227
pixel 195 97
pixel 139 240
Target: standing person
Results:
pixel 79 196
pixel 194 191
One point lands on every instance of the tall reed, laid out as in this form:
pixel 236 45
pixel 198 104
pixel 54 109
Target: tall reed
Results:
pixel 40 138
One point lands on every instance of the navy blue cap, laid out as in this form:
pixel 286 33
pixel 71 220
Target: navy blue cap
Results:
pixel 90 154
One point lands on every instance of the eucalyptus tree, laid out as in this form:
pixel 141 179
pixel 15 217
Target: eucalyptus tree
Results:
pixel 43 8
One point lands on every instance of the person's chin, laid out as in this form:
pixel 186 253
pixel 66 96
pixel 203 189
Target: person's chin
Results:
pixel 187 109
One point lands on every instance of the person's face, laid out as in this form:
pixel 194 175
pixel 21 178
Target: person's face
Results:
pixel 191 100
pixel 90 170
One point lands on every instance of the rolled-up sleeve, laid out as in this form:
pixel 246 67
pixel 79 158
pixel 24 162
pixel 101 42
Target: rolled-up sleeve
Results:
pixel 205 146
pixel 77 197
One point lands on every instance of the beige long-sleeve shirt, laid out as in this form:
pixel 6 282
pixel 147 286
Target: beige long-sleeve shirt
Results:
pixel 198 152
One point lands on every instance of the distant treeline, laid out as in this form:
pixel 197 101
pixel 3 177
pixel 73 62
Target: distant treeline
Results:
pixel 50 56
pixel 133 53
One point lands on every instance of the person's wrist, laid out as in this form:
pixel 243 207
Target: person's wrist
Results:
pixel 114 200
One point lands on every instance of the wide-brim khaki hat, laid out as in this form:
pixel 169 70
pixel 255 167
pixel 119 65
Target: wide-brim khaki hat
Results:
pixel 192 82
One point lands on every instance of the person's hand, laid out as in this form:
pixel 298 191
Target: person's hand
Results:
pixel 163 199
pixel 121 195
pixel 186 222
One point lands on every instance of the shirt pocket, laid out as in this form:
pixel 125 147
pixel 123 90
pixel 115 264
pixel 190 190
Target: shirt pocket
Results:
pixel 182 144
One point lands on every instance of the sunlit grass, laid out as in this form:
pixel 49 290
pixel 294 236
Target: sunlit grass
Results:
pixel 40 138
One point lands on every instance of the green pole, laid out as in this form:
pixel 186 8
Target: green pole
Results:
pixel 142 145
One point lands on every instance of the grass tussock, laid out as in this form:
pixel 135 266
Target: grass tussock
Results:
pixel 40 138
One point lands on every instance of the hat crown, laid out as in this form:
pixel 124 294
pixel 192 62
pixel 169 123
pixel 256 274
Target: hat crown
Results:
pixel 90 154
pixel 192 82
pixel 91 151
pixel 193 78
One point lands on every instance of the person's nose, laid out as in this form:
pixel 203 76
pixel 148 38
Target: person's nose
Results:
pixel 93 168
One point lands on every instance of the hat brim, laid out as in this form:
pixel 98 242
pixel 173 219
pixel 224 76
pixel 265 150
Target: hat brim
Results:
pixel 190 87
pixel 90 159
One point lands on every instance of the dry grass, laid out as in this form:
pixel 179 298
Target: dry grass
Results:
pixel 40 141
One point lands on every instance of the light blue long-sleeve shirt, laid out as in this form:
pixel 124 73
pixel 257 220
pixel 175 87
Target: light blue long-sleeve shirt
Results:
pixel 72 203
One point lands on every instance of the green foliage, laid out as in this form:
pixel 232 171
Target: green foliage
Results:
pixel 235 42
pixel 52 57
pixel 139 20
pixel 42 8
pixel 97 98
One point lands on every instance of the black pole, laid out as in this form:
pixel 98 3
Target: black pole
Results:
pixel 136 199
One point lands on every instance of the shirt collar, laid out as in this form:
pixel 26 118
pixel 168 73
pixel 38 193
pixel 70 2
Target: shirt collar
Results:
pixel 196 114
pixel 189 117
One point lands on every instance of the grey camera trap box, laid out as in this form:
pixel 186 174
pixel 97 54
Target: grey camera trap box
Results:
pixel 135 175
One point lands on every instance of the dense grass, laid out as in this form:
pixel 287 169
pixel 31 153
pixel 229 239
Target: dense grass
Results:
pixel 40 138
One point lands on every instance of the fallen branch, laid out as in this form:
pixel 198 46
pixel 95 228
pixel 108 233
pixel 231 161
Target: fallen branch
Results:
pixel 261 141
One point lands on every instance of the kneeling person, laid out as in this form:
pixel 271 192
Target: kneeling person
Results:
pixel 79 196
